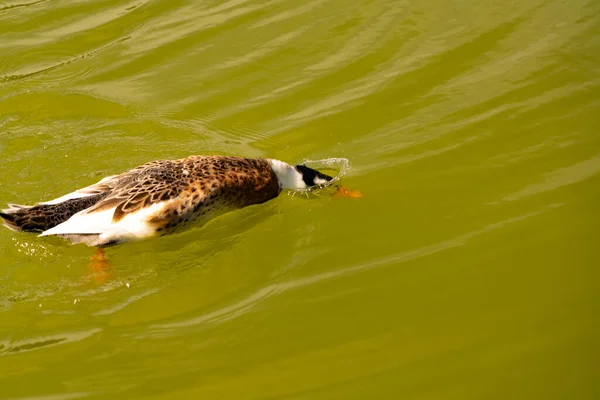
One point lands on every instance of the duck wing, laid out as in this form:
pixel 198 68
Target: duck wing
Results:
pixel 142 187
pixel 134 198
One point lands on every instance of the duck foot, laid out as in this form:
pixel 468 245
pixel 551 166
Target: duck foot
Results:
pixel 99 266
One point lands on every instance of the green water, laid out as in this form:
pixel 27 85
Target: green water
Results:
pixel 469 269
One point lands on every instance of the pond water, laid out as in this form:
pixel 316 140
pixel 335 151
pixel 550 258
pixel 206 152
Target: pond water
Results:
pixel 468 270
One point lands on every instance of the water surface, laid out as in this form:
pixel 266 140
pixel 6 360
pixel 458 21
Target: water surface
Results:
pixel 468 270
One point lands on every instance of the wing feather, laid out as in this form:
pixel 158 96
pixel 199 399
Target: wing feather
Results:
pixel 142 187
pixel 102 186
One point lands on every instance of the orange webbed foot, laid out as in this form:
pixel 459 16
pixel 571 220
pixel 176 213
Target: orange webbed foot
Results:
pixel 99 266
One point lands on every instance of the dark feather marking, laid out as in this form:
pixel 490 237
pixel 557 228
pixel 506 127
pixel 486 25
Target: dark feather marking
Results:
pixel 42 217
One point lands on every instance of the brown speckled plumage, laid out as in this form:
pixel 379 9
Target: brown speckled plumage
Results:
pixel 191 187
pixel 196 186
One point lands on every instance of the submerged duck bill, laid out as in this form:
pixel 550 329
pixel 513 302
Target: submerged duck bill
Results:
pixel 349 193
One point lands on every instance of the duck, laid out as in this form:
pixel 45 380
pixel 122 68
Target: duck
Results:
pixel 159 196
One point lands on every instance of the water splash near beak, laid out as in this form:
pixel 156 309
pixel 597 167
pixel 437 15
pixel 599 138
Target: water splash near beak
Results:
pixel 335 167
pixel 340 165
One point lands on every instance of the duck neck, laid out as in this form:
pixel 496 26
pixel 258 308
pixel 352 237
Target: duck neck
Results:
pixel 288 176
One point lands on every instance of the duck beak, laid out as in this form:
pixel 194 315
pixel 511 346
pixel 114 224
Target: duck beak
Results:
pixel 345 192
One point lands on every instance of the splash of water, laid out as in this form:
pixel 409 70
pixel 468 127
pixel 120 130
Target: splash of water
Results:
pixel 339 167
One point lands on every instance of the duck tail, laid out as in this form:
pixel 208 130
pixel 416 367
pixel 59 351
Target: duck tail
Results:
pixel 13 215
pixel 42 217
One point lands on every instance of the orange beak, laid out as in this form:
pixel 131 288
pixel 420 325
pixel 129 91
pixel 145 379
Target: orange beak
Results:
pixel 345 192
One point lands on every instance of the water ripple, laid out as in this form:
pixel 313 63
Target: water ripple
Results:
pixel 243 306
pixel 8 347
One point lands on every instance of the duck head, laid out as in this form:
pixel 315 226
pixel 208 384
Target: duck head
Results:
pixel 297 177
pixel 312 177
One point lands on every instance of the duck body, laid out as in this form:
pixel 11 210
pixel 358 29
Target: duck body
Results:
pixel 156 197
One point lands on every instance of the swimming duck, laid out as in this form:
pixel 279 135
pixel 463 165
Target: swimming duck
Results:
pixel 156 197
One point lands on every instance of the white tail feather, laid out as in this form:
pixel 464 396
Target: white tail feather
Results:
pixel 12 208
pixel 79 193
pixel 132 226
pixel 83 223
